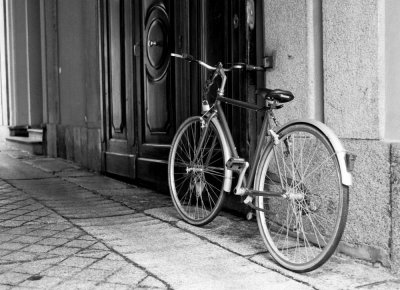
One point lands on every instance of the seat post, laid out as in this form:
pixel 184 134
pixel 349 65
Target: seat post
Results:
pixel 260 144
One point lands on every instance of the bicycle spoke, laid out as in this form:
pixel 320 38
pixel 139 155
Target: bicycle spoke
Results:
pixel 197 173
pixel 300 232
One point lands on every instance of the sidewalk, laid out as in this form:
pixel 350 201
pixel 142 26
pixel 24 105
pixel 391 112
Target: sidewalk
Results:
pixel 62 227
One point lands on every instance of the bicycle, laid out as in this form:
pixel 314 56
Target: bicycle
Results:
pixel 298 184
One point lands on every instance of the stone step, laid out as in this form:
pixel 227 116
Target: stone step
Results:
pixel 29 144
pixel 20 130
pixel 36 134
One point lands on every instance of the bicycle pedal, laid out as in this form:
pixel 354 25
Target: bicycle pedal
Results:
pixel 235 164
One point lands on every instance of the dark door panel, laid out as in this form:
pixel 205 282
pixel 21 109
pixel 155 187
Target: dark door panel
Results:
pixel 119 152
pixel 157 93
pixel 156 103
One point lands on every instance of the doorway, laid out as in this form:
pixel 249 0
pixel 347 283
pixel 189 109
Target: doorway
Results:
pixel 146 93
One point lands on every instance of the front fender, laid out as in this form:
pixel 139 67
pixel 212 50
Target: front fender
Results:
pixel 334 140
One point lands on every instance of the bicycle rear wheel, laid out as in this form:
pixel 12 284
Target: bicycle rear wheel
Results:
pixel 196 175
pixel 303 229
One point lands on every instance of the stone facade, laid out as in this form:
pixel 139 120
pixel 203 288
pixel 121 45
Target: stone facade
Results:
pixel 351 92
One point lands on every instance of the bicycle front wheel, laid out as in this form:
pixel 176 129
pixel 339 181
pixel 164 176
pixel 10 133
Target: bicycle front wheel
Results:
pixel 196 173
pixel 302 229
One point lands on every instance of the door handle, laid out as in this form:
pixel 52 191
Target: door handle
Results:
pixel 152 43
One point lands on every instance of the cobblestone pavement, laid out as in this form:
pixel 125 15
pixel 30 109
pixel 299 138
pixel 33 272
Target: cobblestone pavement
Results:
pixel 62 227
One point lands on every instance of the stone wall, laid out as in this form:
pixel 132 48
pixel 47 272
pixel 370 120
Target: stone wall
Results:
pixel 337 74
pixel 74 116
pixel 79 144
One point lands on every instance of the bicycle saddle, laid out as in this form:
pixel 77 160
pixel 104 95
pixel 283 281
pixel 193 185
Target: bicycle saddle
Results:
pixel 279 95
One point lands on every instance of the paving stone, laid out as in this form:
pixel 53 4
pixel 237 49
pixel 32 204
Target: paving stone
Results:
pixel 61 271
pixel 87 238
pixel 106 264
pixel 53 241
pixel 11 223
pixel 27 239
pixel 78 262
pixel 67 235
pixel 129 275
pixel 190 265
pixel 52 165
pixel 59 226
pixel 13 278
pixel 6 237
pixel 12 246
pixel 31 268
pixel 49 258
pixel 114 257
pixel 38 249
pixel 342 274
pixel 76 284
pixel 113 286
pixel 43 283
pixel 96 254
pixel 79 244
pixel 19 211
pixel 98 182
pixel 64 251
pixel 7 267
pixel 91 274
pixel 24 218
pixel 4 252
pixel 382 285
pixel 8 215
pixel 24 230
pixel 153 283
pixel 43 233
pixel 74 230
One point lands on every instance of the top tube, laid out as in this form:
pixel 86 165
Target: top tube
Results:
pixel 189 57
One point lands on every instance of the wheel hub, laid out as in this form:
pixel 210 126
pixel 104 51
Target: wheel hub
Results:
pixel 196 169
pixel 294 194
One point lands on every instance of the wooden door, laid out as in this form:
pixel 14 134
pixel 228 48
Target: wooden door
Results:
pixel 209 30
pixel 224 39
pixel 118 101
pixel 156 101
pixel 147 94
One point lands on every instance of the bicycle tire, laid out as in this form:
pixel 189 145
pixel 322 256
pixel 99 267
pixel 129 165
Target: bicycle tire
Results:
pixel 302 230
pixel 197 186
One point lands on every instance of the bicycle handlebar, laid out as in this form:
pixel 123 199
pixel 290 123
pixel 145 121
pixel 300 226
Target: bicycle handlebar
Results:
pixel 190 58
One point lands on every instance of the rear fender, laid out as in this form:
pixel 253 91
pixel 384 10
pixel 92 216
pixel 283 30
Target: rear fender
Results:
pixel 341 153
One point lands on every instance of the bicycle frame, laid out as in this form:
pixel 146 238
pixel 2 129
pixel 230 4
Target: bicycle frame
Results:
pixel 218 112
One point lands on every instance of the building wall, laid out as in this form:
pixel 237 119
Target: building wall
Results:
pixel 342 64
pixel 392 51
pixel 74 115
pixel 4 119
pixel 24 59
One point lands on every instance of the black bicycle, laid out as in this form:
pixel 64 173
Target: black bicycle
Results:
pixel 298 184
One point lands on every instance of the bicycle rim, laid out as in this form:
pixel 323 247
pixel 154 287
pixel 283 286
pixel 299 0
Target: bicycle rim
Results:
pixel 303 229
pixel 196 184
